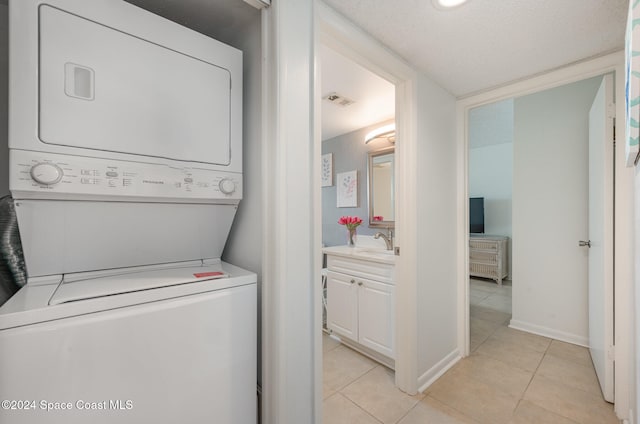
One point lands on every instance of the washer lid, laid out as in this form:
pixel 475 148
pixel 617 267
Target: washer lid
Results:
pixel 72 291
pixel 66 236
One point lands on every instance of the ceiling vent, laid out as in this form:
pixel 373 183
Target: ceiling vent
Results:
pixel 338 100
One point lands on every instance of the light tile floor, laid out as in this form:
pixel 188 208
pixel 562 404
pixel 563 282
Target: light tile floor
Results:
pixel 510 377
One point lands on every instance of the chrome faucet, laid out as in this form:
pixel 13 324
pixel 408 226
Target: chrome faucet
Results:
pixel 388 239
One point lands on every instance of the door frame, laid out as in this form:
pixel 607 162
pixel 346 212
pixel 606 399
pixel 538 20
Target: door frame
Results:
pixel 291 262
pixel 339 34
pixel 623 215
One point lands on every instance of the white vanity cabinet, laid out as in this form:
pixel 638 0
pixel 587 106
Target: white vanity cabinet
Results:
pixel 361 303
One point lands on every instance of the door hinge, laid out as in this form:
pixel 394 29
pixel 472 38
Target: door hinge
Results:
pixel 396 250
pixel 611 113
pixel 611 353
pixel 614 129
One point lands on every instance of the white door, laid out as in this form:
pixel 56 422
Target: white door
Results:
pixel 601 235
pixel 342 304
pixel 376 316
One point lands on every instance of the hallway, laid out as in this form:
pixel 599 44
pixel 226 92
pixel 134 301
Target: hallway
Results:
pixel 510 377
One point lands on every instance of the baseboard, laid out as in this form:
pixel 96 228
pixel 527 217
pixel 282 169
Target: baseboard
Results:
pixel 378 357
pixel 435 372
pixel 549 332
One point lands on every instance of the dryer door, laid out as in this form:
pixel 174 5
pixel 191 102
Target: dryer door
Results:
pixel 105 90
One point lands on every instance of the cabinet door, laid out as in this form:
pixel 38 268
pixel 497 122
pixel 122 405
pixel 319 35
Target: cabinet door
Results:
pixel 342 304
pixel 376 316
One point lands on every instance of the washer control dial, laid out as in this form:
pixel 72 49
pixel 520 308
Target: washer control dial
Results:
pixel 227 186
pixel 46 173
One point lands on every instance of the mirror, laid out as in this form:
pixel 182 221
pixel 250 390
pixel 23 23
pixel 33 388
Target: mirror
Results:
pixel 381 183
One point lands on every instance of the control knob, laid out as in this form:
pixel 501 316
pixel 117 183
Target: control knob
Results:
pixel 227 186
pixel 46 173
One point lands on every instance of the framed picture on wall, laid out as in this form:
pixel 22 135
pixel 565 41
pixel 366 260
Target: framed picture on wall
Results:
pixel 347 189
pixel 632 79
pixel 327 170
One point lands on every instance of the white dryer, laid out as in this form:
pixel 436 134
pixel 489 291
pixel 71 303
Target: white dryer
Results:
pixel 126 169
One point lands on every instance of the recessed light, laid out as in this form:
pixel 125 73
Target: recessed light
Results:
pixel 447 4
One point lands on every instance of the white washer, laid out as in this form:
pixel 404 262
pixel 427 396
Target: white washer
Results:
pixel 154 345
pixel 126 169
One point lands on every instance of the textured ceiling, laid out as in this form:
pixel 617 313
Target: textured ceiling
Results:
pixel 487 43
pixel 226 20
pixel 374 97
pixel 480 45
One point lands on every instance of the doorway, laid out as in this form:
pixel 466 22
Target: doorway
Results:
pixel 538 85
pixel 534 182
pixel 342 37
pixel 355 102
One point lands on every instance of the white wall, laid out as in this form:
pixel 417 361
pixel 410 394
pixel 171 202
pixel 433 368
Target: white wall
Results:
pixel 4 99
pixel 437 273
pixel 550 193
pixel 491 177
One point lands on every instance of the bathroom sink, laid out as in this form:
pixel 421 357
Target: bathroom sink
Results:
pixel 375 251
pixel 369 253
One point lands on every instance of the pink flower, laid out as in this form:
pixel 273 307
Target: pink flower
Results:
pixel 378 218
pixel 351 222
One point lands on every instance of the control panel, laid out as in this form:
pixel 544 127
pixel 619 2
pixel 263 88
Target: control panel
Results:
pixel 49 175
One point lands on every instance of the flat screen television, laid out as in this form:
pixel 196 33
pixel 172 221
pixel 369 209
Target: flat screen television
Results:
pixel 476 215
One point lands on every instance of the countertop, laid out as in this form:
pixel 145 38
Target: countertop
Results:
pixel 373 254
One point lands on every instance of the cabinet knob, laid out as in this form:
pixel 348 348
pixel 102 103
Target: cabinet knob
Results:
pixel 359 283
pixel 353 281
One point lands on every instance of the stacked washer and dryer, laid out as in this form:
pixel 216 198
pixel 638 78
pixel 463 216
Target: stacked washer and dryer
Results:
pixel 126 172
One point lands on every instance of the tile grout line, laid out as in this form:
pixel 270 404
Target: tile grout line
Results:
pixel 464 414
pixel 506 325
pixel 375 366
pixel 531 381
pixel 357 378
pixel 568 388
pixel 533 375
pixel 407 413
pixel 340 388
pixel 360 408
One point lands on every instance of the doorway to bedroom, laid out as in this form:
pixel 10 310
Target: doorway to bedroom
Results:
pixel 490 173
pixel 528 186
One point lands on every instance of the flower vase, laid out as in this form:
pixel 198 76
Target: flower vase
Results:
pixel 352 237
